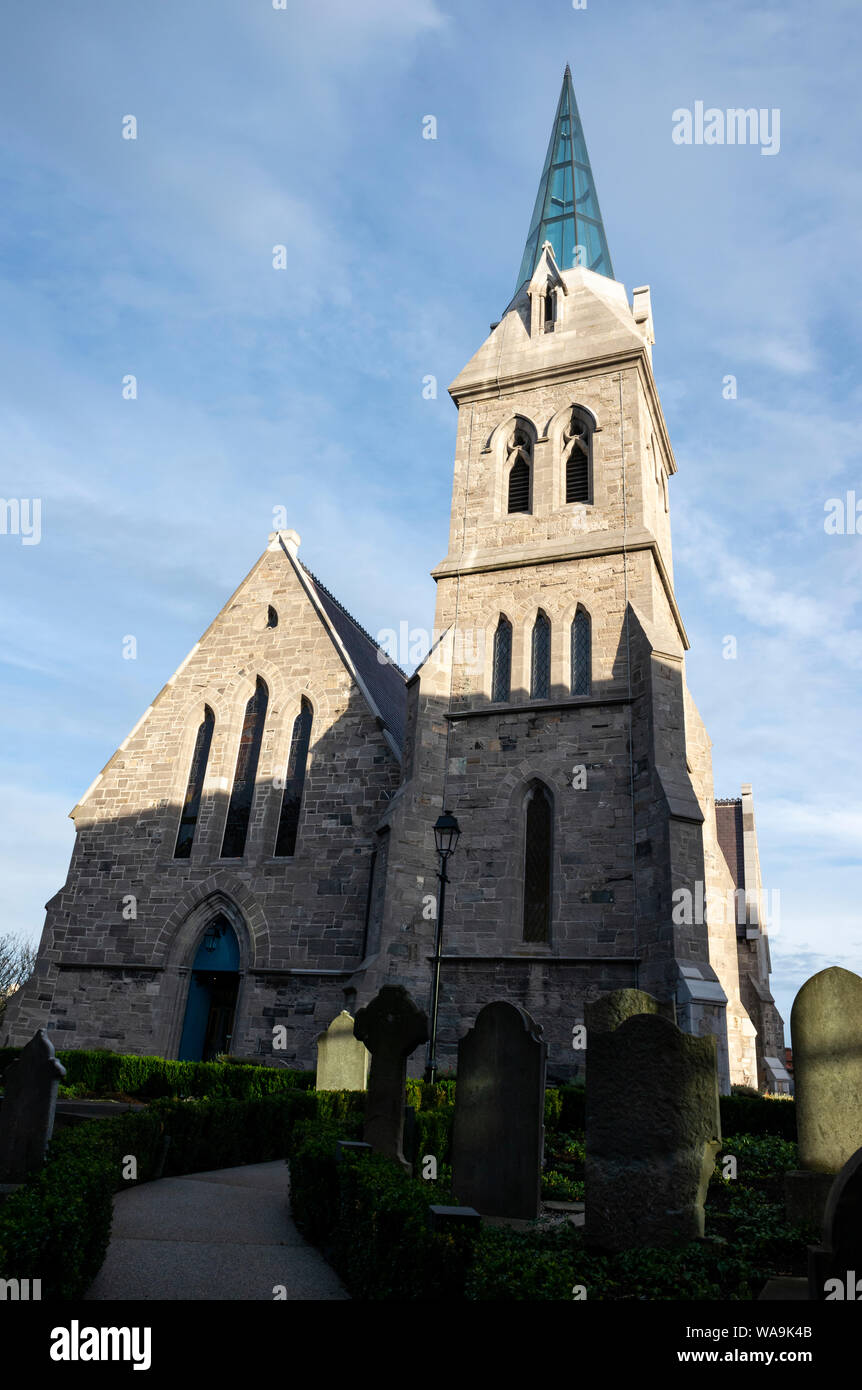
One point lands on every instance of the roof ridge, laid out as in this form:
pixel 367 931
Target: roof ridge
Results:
pixel 365 633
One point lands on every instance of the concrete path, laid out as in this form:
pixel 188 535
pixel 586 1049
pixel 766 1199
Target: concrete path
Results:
pixel 221 1235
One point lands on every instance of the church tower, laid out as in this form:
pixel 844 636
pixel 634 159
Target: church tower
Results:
pixel 552 717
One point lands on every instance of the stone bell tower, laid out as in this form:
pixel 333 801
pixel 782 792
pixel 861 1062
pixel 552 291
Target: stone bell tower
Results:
pixel 553 716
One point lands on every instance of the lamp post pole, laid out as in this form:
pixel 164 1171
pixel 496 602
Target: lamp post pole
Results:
pixel 446 835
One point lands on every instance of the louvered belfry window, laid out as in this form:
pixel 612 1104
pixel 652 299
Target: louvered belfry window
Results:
pixel 519 463
pixel 501 681
pixel 239 810
pixel 581 653
pixel 577 445
pixel 192 803
pixel 538 849
pixel 291 802
pixel 540 665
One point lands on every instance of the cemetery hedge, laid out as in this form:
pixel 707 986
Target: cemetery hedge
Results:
pixel 151 1078
pixel 370 1219
pixel 57 1226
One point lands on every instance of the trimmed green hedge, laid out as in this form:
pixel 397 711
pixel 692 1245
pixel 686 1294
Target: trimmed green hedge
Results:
pixel 57 1226
pixel 370 1218
pixel 154 1077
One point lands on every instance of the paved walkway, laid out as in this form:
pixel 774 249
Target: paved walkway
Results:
pixel 221 1235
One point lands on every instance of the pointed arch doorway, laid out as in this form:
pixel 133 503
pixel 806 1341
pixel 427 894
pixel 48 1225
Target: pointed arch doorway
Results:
pixel 213 989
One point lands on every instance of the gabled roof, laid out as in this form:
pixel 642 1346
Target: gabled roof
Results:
pixel 385 682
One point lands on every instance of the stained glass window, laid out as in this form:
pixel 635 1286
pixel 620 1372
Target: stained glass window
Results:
pixel 192 803
pixel 537 864
pixel 581 653
pixel 502 673
pixel 540 666
pixel 239 809
pixel 291 801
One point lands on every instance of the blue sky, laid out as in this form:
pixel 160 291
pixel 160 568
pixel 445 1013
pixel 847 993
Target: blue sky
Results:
pixel 302 388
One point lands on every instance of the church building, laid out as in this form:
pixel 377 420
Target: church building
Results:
pixel 259 853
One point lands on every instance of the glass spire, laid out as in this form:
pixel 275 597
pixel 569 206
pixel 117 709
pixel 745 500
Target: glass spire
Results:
pixel 567 209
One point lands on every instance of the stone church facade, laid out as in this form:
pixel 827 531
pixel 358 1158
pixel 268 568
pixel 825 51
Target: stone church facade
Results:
pixel 259 852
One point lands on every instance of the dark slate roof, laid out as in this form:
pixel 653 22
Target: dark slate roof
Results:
pixel 385 681
pixel 728 824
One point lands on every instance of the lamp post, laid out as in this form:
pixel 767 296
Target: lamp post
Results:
pixel 447 833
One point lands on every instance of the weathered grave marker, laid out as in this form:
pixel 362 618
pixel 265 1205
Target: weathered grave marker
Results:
pixel 27 1115
pixel 826 1030
pixel 835 1267
pixel 653 1130
pixel 498 1131
pixel 391 1027
pixel 342 1060
pixel 607 1012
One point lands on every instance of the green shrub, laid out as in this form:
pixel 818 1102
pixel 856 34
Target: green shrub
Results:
pixel 98 1073
pixel 434 1134
pixel 749 1114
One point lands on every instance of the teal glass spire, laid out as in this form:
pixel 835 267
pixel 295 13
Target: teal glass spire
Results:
pixel 567 209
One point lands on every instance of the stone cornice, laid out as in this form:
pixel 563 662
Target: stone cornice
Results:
pixel 583 547
pixel 494 386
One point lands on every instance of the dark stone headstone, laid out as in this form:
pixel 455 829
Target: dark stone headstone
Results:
pixel 498 1130
pixel 835 1267
pixel 27 1117
pixel 653 1130
pixel 391 1027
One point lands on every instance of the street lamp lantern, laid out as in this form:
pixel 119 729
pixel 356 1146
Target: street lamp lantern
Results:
pixel 447 833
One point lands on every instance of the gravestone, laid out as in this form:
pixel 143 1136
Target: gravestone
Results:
pixel 498 1129
pixel 607 1012
pixel 342 1060
pixel 839 1258
pixel 391 1027
pixel 27 1115
pixel 653 1130
pixel 826 1031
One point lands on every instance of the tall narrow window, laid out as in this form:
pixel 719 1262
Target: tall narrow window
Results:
pixel 291 802
pixel 540 665
pixel 538 845
pixel 581 654
pixel 239 809
pixel 192 803
pixel 577 446
pixel 550 306
pixel 519 467
pixel 501 682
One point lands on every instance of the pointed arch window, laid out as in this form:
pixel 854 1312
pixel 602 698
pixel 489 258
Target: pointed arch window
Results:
pixel 540 662
pixel 582 657
pixel 501 676
pixel 519 470
pixel 538 850
pixel 291 801
pixel 550 308
pixel 194 789
pixel 239 809
pixel 577 454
